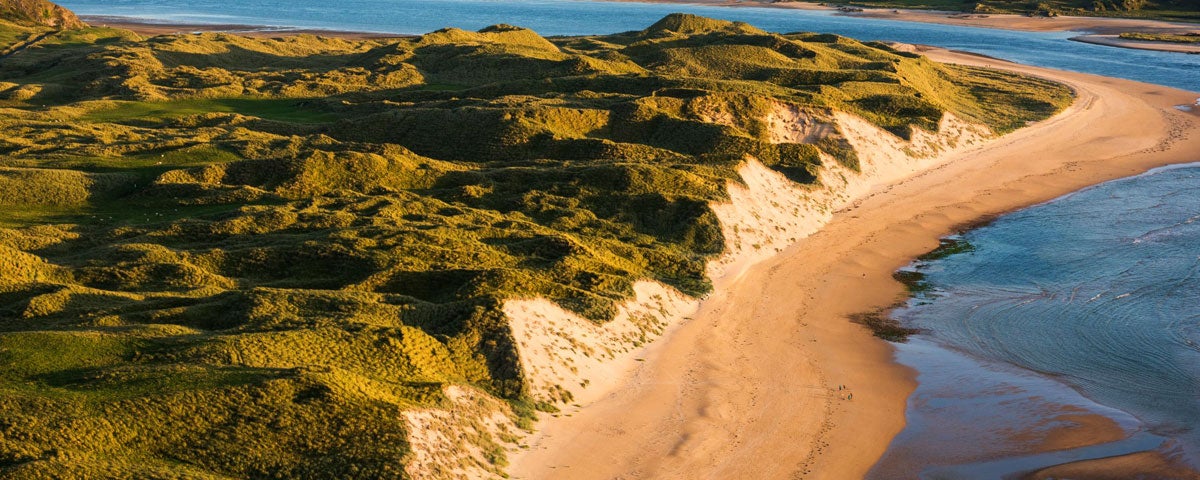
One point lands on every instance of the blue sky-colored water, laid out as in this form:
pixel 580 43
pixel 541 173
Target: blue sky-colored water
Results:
pixel 1099 291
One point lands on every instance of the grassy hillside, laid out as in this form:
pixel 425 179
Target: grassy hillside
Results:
pixel 39 13
pixel 231 257
pixel 1175 10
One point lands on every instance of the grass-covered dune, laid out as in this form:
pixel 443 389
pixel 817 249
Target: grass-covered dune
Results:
pixel 39 13
pixel 231 257
pixel 1161 37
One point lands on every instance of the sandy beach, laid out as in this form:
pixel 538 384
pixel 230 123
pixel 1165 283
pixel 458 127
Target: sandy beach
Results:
pixel 751 386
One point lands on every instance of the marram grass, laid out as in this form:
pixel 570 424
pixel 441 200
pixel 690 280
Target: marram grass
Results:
pixel 232 257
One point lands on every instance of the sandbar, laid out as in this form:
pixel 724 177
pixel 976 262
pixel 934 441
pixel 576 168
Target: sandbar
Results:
pixel 1117 41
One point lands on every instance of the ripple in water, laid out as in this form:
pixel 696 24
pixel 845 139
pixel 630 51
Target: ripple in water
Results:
pixel 1096 293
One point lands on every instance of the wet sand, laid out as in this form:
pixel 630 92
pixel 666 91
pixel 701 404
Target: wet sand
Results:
pixel 748 388
pixel 1137 465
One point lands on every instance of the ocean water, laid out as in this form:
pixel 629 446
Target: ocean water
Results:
pixel 1089 303
pixel 582 17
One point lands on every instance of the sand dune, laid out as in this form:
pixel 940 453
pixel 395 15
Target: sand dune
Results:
pixel 749 387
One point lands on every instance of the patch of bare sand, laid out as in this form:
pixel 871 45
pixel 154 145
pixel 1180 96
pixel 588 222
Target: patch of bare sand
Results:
pixel 569 359
pixel 747 388
pixel 462 439
pixel 1070 430
pixel 1141 465
pixel 572 360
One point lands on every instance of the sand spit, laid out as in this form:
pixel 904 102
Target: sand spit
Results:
pixel 1117 41
pixel 755 374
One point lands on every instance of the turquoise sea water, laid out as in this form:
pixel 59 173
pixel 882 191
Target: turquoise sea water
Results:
pixel 579 17
pixel 1097 292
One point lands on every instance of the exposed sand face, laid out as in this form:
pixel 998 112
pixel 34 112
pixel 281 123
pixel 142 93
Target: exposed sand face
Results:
pixel 572 360
pixel 769 212
pixel 569 359
pixel 446 442
pixel 748 388
pixel 791 124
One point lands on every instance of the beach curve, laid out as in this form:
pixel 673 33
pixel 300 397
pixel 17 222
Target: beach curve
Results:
pixel 756 374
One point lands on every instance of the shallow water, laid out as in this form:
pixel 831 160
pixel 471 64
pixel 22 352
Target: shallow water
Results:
pixel 1098 291
pixel 580 17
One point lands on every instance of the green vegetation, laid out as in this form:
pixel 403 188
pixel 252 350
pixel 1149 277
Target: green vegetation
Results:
pixel 947 247
pixel 234 257
pixel 880 322
pixel 38 13
pixel 1175 10
pixel 913 280
pixel 1162 37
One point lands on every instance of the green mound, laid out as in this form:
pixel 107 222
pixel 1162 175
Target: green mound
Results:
pixel 39 13
pixel 234 257
pixel 688 24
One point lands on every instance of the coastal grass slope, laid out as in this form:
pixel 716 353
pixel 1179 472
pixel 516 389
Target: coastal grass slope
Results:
pixel 232 257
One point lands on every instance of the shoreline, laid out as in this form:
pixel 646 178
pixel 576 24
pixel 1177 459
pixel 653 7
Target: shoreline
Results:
pixel 1116 41
pixel 754 373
